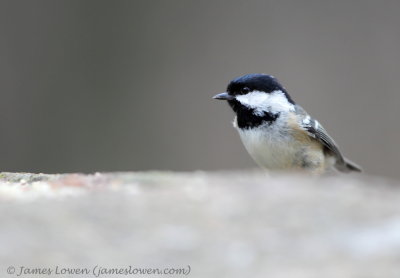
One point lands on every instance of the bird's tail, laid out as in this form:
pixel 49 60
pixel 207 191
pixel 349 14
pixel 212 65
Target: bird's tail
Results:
pixel 348 166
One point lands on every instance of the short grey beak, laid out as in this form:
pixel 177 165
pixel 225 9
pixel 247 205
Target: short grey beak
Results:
pixel 223 96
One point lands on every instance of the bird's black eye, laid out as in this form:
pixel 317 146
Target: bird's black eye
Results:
pixel 245 90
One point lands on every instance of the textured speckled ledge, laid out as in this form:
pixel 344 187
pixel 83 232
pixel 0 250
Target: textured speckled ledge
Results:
pixel 222 224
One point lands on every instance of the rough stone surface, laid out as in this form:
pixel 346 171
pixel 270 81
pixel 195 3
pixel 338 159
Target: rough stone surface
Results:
pixel 229 224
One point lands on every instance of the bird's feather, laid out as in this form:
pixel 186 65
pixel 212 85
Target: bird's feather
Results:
pixel 318 132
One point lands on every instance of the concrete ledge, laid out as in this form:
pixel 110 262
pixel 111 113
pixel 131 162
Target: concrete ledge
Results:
pixel 228 224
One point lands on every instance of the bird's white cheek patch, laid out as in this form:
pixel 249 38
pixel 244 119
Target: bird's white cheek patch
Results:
pixel 261 102
pixel 253 99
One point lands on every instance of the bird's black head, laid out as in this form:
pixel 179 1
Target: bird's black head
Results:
pixel 255 82
pixel 256 99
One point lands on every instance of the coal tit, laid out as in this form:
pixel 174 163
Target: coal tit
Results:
pixel 278 133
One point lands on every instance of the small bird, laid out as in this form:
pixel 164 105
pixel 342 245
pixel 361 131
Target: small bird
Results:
pixel 278 133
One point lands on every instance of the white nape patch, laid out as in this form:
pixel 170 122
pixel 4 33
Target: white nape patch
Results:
pixel 274 102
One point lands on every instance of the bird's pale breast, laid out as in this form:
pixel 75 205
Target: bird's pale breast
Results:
pixel 283 145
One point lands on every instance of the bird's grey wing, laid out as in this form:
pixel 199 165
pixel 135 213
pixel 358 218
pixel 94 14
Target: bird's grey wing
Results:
pixel 318 132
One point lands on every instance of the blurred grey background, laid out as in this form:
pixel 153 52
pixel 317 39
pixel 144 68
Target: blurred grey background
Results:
pixel 127 85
